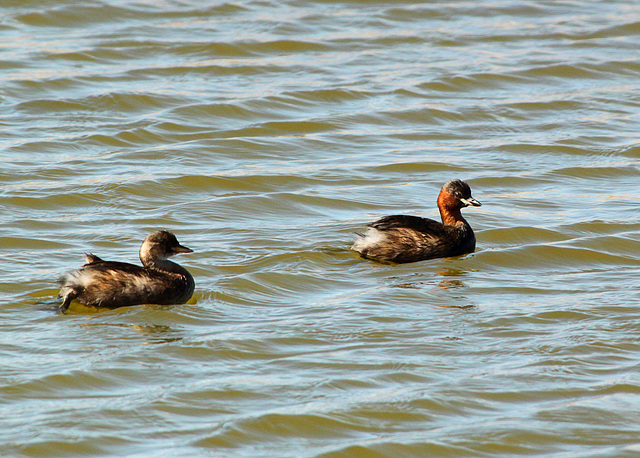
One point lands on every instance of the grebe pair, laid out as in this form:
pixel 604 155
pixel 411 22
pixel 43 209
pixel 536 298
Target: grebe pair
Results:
pixel 396 238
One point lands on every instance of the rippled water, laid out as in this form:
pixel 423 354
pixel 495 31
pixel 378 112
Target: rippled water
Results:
pixel 264 134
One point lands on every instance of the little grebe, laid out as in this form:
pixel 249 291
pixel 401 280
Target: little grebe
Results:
pixel 403 238
pixel 116 284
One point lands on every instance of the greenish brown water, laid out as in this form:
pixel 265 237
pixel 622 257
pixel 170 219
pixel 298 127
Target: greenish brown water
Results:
pixel 264 134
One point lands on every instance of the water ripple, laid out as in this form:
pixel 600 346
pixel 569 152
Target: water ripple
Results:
pixel 265 135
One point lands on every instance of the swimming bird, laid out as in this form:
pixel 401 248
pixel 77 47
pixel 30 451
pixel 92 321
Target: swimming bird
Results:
pixel 114 284
pixel 405 238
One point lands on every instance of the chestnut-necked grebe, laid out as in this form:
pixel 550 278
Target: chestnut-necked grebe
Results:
pixel 116 284
pixel 403 238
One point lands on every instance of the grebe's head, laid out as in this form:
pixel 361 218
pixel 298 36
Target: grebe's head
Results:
pixel 459 191
pixel 160 245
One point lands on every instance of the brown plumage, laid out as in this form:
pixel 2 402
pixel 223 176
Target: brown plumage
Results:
pixel 404 238
pixel 114 284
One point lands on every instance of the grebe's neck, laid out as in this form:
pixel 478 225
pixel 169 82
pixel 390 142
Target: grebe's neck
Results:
pixel 163 265
pixel 449 209
pixel 153 260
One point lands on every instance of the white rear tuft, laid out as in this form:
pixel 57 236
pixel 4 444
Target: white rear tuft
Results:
pixel 372 237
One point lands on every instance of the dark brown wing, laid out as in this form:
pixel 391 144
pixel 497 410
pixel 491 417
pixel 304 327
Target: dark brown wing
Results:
pixel 415 223
pixel 114 266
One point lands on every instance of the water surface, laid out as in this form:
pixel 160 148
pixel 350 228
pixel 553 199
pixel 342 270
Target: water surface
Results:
pixel 264 134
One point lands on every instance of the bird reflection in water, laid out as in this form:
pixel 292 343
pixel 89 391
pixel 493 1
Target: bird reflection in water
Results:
pixel 152 333
pixel 451 283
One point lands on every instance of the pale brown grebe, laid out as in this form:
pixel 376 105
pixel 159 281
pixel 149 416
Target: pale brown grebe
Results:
pixel 114 284
pixel 404 238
